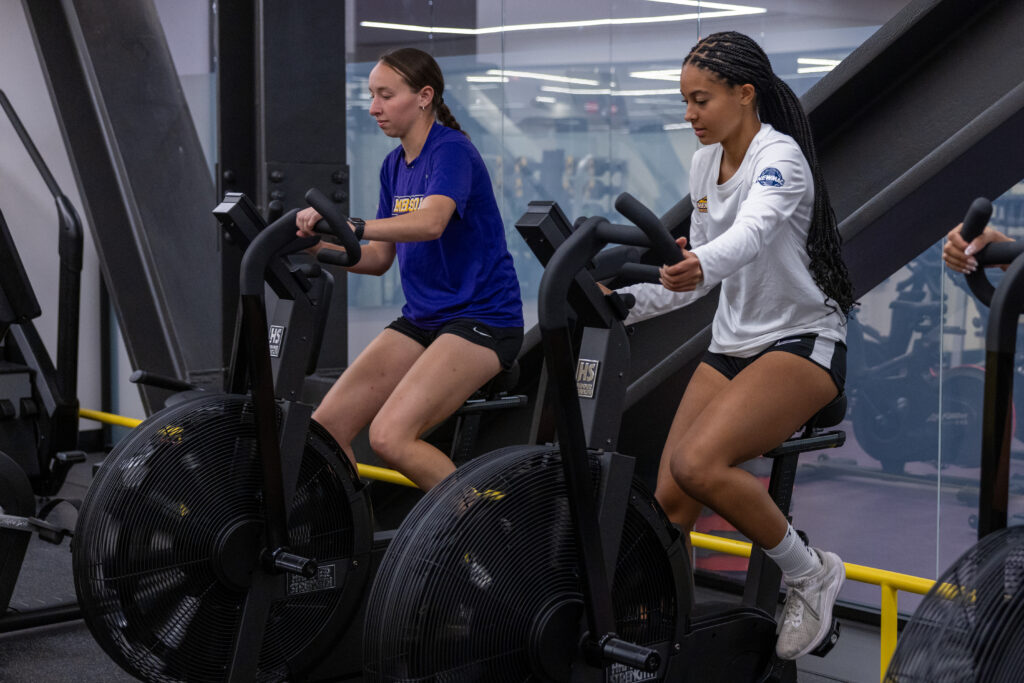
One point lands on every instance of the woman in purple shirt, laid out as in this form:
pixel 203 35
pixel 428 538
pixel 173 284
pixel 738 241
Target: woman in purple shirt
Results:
pixel 462 321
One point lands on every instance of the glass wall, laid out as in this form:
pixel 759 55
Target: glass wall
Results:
pixel 574 102
pixel 907 477
pixel 577 102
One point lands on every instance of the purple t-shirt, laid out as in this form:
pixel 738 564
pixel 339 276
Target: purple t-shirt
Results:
pixel 468 271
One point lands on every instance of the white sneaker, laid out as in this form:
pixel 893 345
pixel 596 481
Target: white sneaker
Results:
pixel 807 616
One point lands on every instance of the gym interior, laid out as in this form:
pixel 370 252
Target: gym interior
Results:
pixel 148 112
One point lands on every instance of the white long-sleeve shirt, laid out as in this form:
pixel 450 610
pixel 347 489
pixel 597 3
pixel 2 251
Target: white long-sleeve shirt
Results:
pixel 751 236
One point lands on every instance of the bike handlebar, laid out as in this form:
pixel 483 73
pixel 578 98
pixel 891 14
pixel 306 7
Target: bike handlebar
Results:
pixel 996 253
pixel 660 238
pixel 335 223
pixel 586 241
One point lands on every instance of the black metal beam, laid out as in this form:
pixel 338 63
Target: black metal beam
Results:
pixel 300 125
pixel 142 176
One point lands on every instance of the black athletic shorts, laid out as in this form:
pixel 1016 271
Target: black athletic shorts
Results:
pixel 822 352
pixel 504 341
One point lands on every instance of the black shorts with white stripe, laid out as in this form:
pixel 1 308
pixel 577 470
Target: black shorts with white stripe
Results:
pixel 825 353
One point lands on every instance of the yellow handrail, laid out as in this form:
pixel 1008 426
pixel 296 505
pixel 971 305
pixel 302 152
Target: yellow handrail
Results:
pixel 384 474
pixel 108 418
pixel 889 582
pixel 365 471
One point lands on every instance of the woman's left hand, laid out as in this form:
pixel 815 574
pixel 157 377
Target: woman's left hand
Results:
pixel 305 220
pixel 684 276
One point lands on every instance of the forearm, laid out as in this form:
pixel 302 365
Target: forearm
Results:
pixel 425 223
pixel 653 300
pixel 376 257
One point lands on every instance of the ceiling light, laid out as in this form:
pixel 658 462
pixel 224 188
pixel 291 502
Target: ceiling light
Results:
pixel 815 65
pixel 724 11
pixel 608 91
pixel 486 79
pixel 545 99
pixel 701 4
pixel 542 77
pixel 657 74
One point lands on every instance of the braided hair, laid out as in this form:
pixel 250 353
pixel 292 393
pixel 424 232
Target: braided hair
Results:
pixel 418 69
pixel 736 59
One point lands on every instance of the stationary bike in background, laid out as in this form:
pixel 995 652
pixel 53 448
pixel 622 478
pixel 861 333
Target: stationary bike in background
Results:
pixel 38 398
pixel 895 385
pixel 227 537
pixel 970 625
pixel 552 562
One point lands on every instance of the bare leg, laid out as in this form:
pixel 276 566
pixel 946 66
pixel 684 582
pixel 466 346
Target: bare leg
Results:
pixel 440 381
pixel 365 385
pixel 681 509
pixel 747 416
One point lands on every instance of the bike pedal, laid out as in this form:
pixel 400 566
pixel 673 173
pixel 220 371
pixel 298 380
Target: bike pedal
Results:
pixel 829 642
pixel 780 671
pixel 69 458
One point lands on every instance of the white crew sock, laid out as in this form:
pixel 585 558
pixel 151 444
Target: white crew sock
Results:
pixel 795 558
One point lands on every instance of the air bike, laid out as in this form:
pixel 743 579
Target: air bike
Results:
pixel 970 625
pixel 551 563
pixel 227 538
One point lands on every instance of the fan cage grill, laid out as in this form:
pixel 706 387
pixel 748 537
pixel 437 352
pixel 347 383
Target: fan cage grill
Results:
pixel 970 625
pixel 483 554
pixel 146 546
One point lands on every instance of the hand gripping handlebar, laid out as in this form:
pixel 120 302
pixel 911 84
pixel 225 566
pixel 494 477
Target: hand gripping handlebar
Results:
pixel 334 223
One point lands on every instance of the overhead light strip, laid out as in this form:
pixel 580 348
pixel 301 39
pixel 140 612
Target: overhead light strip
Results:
pixel 657 74
pixel 815 64
pixel 701 4
pixel 542 77
pixel 733 11
pixel 608 91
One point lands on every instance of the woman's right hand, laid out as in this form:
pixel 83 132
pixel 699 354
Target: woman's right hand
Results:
pixel 685 275
pixel 957 253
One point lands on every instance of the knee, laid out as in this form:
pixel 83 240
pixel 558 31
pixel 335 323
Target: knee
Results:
pixel 388 442
pixel 680 508
pixel 694 474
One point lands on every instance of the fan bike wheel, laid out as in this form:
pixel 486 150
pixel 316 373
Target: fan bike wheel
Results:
pixel 169 536
pixel 481 581
pixel 970 625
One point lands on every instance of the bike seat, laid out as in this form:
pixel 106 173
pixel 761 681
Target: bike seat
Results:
pixel 829 416
pixel 504 381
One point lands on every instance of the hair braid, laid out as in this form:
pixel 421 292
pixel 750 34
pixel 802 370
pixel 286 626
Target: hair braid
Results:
pixel 736 59
pixel 445 116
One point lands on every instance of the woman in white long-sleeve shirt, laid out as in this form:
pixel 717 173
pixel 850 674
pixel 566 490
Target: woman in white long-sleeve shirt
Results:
pixel 763 229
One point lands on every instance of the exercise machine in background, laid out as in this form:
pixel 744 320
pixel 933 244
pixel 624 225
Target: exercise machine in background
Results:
pixel 970 625
pixel 38 399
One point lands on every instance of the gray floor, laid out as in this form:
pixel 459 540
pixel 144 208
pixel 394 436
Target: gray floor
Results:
pixel 67 653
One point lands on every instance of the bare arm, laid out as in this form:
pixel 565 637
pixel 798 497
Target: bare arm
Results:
pixel 376 258
pixel 425 223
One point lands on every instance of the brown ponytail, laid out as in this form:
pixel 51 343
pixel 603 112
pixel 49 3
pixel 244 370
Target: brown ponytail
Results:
pixel 418 69
pixel 444 115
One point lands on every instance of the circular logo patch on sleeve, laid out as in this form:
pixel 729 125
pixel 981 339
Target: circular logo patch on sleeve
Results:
pixel 771 177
